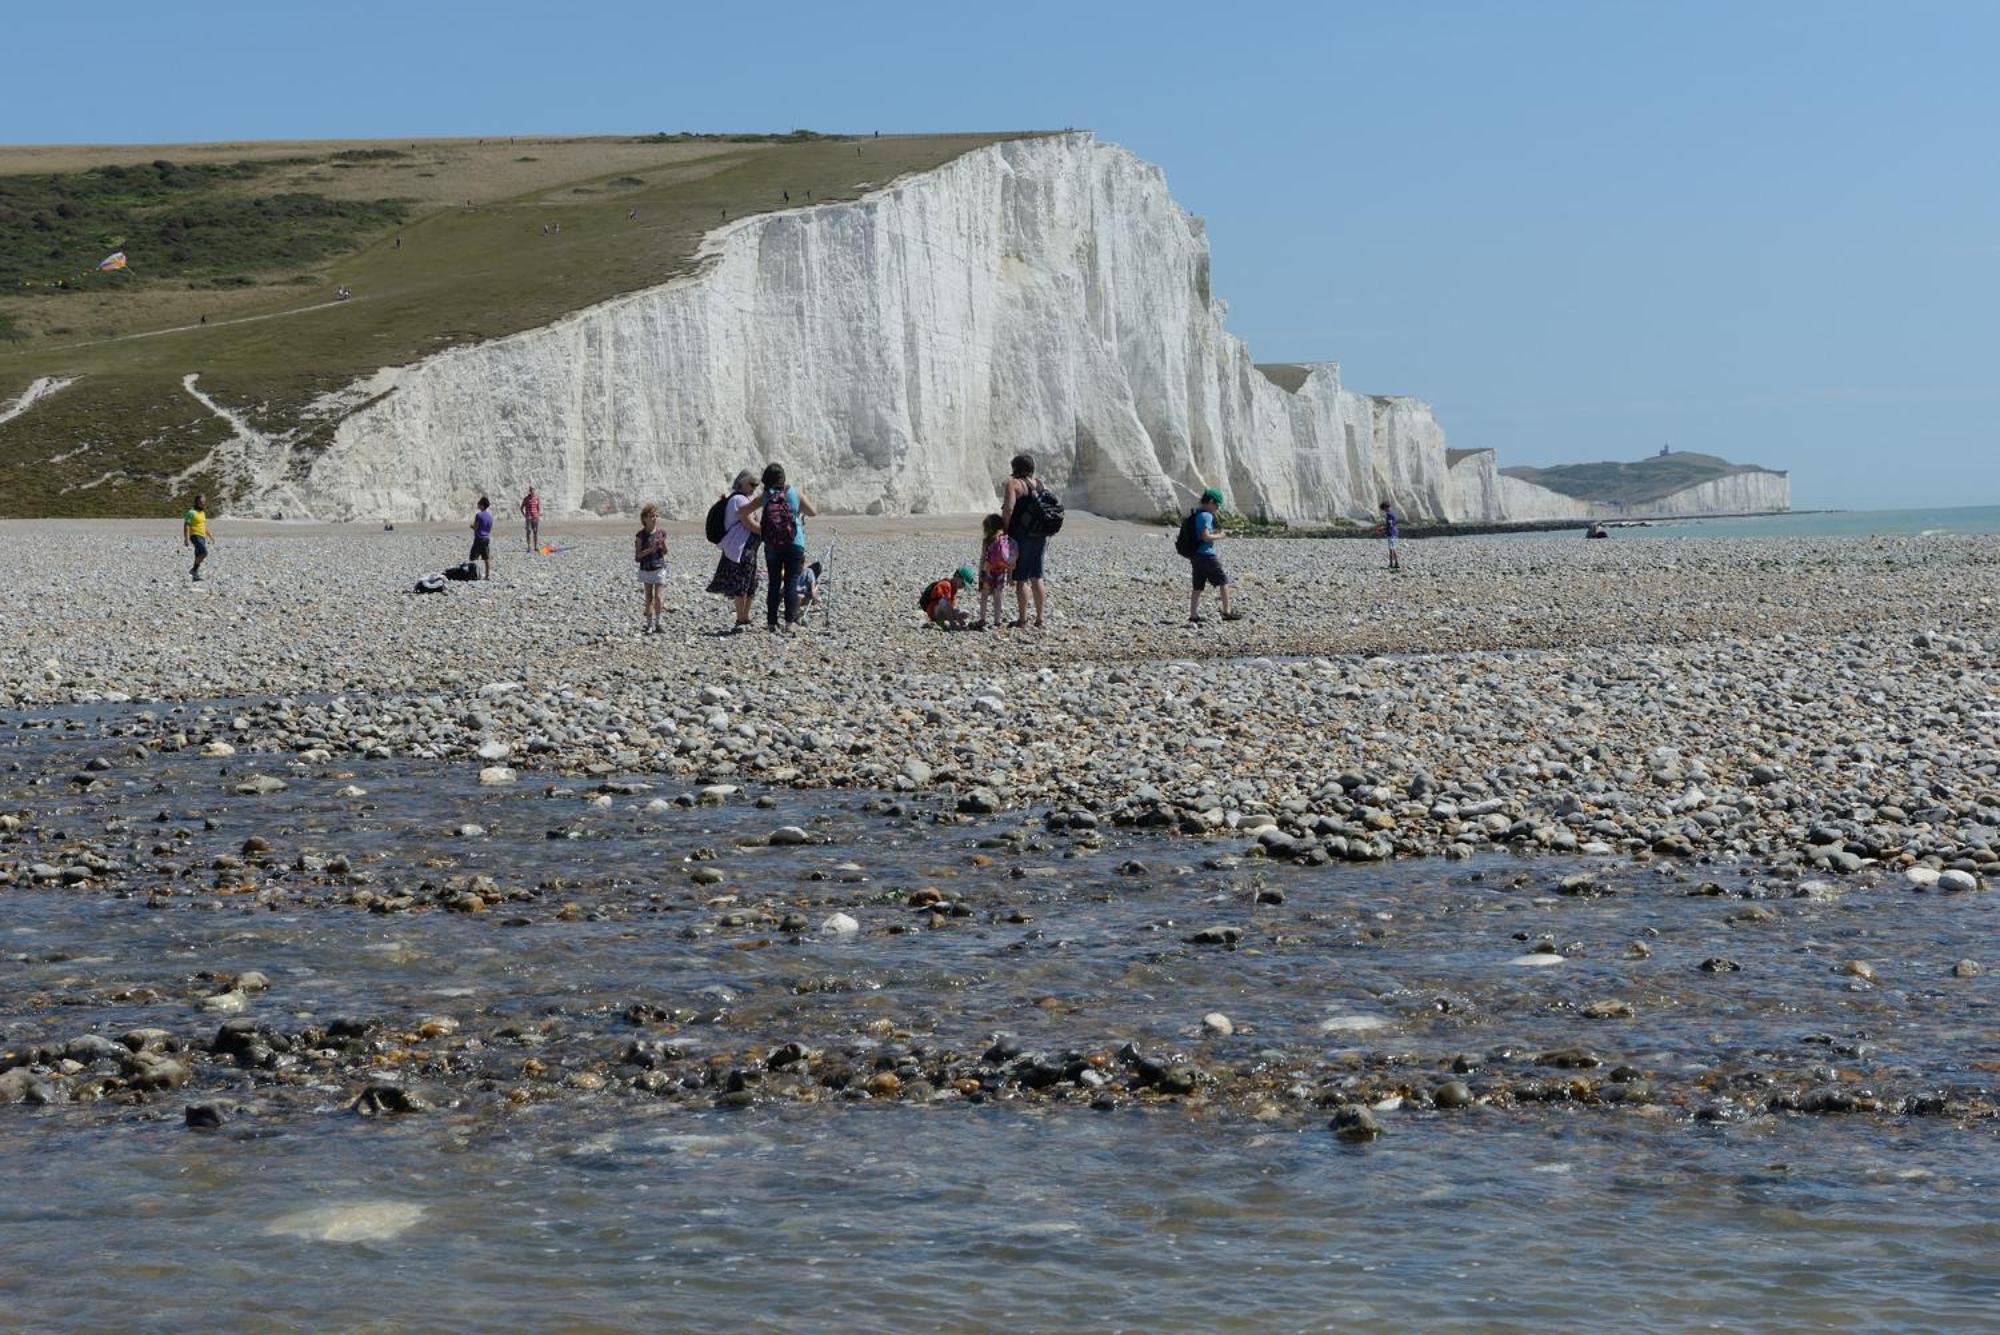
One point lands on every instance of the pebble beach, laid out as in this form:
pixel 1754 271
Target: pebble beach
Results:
pixel 1818 705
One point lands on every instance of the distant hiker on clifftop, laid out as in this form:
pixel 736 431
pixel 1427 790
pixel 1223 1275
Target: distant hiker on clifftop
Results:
pixel 531 517
pixel 1390 526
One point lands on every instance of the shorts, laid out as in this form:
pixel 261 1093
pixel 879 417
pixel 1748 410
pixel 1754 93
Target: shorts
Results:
pixel 1207 571
pixel 1392 544
pixel 200 548
pixel 653 576
pixel 992 580
pixel 482 550
pixel 1028 552
pixel 944 612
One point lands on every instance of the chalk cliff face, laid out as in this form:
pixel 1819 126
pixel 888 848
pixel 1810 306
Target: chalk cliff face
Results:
pixel 1739 493
pixel 1041 295
pixel 1044 295
pixel 1477 492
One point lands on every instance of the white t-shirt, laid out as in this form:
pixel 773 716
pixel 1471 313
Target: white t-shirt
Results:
pixel 737 535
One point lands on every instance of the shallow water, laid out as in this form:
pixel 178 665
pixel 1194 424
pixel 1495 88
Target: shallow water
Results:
pixel 611 1210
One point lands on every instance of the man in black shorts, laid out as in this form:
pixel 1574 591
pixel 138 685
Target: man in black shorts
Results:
pixel 482 537
pixel 1207 569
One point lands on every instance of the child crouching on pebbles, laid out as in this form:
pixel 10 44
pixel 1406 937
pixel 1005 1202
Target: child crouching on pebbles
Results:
pixel 940 601
pixel 649 551
pixel 996 564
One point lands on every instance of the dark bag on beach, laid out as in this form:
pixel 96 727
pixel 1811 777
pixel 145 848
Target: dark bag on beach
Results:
pixel 430 584
pixel 1041 513
pixel 1188 541
pixel 464 570
pixel 718 521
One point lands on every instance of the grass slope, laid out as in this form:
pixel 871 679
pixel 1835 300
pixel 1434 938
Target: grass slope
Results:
pixel 475 263
pixel 1632 483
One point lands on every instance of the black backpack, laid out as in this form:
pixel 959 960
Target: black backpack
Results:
pixel 464 570
pixel 430 584
pixel 718 521
pixel 1042 513
pixel 1188 540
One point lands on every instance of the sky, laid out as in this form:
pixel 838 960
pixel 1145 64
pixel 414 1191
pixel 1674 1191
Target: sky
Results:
pixel 1769 231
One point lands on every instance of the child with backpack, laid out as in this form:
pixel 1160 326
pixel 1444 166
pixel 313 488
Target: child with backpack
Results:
pixel 940 601
pixel 996 563
pixel 1196 542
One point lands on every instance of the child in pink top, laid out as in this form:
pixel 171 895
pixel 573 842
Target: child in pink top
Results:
pixel 996 563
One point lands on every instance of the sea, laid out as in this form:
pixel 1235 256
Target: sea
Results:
pixel 1943 521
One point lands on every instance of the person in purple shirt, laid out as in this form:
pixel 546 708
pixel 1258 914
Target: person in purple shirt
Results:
pixel 1389 528
pixel 482 536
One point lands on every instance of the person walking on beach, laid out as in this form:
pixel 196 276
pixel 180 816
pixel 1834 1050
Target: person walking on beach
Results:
pixel 1025 506
pixel 194 533
pixel 780 520
pixel 736 568
pixel 482 537
pixel 1390 527
pixel 649 552
pixel 531 517
pixel 1202 531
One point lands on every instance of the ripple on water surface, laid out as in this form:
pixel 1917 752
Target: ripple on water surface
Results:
pixel 631 1213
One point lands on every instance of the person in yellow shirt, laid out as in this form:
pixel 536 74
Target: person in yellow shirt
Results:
pixel 194 533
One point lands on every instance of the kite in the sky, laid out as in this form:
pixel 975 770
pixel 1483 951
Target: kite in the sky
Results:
pixel 115 260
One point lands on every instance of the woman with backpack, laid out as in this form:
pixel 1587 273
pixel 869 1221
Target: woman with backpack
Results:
pixel 736 569
pixel 778 516
pixel 1030 513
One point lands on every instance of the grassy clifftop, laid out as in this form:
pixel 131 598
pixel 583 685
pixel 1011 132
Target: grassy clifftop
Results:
pixel 1632 483
pixel 236 252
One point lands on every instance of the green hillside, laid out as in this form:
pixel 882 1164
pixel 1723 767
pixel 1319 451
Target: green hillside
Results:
pixel 1632 483
pixel 236 251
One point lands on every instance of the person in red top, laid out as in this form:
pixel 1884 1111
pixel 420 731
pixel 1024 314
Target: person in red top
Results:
pixel 940 600
pixel 531 514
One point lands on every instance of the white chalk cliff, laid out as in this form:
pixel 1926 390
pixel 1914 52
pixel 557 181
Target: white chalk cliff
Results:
pixel 1043 294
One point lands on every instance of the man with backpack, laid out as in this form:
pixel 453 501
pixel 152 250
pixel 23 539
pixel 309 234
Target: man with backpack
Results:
pixel 1196 542
pixel 1031 515
pixel 778 517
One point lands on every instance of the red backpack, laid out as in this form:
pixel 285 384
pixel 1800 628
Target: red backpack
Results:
pixel 781 526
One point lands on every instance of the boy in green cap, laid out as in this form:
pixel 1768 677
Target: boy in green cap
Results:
pixel 940 600
pixel 1207 570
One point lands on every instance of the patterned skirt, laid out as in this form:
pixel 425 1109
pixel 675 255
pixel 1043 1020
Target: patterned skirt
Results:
pixel 735 579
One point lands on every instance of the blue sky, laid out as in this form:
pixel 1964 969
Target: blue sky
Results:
pixel 1579 230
